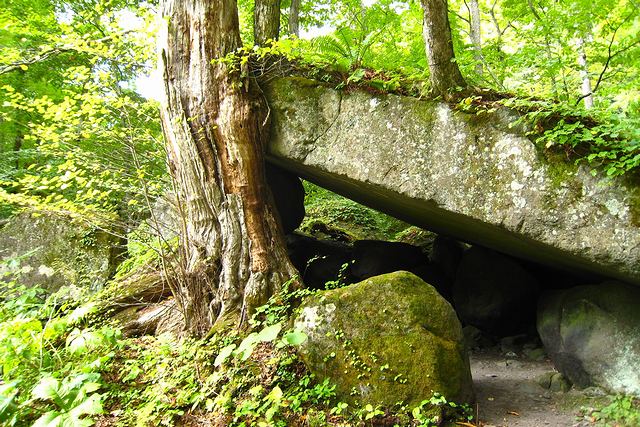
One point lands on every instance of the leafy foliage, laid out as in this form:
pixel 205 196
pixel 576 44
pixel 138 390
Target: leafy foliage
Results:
pixel 76 137
pixel 602 139
pixel 623 411
pixel 73 398
pixel 50 359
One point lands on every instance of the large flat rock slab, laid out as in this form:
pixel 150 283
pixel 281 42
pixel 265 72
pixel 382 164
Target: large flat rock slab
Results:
pixel 477 178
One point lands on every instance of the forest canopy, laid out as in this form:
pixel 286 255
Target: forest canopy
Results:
pixel 71 74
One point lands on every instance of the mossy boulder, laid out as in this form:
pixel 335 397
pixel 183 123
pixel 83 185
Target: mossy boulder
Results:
pixel 389 339
pixel 592 334
pixel 56 250
pixel 494 293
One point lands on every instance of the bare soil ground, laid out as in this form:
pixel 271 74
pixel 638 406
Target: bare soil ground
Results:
pixel 507 394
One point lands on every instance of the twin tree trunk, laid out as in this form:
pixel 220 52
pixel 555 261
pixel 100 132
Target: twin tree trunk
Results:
pixel 215 127
pixel 444 73
pixel 294 18
pixel 266 21
pixel 586 91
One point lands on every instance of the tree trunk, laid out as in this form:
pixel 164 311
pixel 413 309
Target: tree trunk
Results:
pixel 474 27
pixel 294 18
pixel 20 119
pixel 17 146
pixel 551 72
pixel 215 131
pixel 444 72
pixel 266 21
pixel 587 93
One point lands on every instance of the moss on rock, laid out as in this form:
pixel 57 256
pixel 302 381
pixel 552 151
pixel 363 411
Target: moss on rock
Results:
pixel 60 251
pixel 592 334
pixel 387 340
pixel 476 178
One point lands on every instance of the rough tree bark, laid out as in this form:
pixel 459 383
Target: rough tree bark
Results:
pixel 443 68
pixel 266 21
pixel 294 18
pixel 215 127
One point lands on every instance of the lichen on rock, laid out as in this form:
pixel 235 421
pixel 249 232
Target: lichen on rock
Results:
pixel 479 179
pixel 58 251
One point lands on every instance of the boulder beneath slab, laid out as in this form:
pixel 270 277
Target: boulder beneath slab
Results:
pixel 447 253
pixel 493 293
pixel 57 251
pixel 288 195
pixel 375 257
pixel 592 334
pixel 319 261
pixel 388 339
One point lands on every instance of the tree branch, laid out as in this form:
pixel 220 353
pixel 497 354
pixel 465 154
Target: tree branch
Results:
pixel 53 51
pixel 610 56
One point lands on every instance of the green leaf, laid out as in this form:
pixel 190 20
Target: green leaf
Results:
pixel 223 355
pixel 8 393
pixel 91 387
pixel 294 338
pixel 275 395
pixel 246 347
pixel 50 419
pixel 270 333
pixel 82 312
pixel 92 405
pixel 417 411
pixel 47 388
pixel 356 76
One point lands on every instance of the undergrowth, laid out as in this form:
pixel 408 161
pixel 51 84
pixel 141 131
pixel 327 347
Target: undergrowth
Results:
pixel 61 365
pixel 51 360
pixel 623 411
pixel 603 140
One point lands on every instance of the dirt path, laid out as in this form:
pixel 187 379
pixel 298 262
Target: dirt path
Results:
pixel 507 394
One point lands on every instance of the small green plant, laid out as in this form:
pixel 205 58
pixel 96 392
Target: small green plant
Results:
pixel 69 402
pixel 340 281
pixel 603 139
pixel 369 412
pixel 433 411
pixel 622 411
pixel 280 306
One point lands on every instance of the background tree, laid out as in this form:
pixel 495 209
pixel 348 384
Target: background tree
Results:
pixel 266 21
pixel 215 127
pixel 294 18
pixel 443 68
